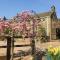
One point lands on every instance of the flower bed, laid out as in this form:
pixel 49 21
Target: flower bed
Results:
pixel 53 53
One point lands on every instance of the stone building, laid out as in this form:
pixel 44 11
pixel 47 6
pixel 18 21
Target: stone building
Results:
pixel 51 23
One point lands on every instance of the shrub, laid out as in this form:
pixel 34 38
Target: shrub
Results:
pixel 41 34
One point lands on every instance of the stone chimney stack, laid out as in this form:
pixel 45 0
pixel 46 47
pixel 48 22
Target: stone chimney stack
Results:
pixel 53 9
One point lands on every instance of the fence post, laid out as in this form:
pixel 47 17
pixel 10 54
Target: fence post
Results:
pixel 33 49
pixel 12 48
pixel 8 47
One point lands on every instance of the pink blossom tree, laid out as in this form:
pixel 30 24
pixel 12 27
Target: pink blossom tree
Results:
pixel 21 26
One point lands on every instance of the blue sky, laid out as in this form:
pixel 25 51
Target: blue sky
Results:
pixel 10 8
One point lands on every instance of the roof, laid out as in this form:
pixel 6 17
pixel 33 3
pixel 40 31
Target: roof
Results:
pixel 45 14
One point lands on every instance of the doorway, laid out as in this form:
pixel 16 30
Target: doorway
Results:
pixel 58 33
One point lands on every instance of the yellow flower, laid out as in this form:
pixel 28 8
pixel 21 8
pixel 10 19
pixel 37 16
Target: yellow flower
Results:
pixel 56 51
pixel 59 49
pixel 53 50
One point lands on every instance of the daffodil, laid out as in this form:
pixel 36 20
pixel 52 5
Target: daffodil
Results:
pixel 54 52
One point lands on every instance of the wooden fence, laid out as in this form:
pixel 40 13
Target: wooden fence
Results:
pixel 10 48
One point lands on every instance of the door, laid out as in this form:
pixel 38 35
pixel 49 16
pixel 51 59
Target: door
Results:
pixel 58 33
